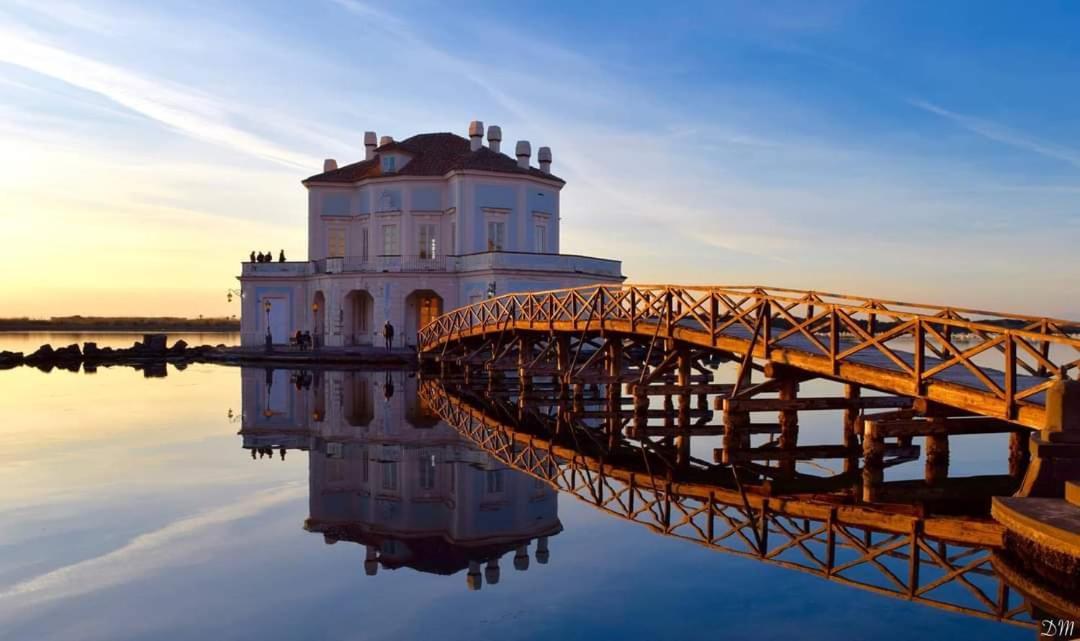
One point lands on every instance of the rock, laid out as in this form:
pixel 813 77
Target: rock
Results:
pixel 90 350
pixel 155 369
pixel 10 359
pixel 179 347
pixel 69 353
pixel 43 354
pixel 155 343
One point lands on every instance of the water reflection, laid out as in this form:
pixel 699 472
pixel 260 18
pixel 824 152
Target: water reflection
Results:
pixel 387 473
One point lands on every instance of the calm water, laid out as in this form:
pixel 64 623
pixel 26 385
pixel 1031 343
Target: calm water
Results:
pixel 135 508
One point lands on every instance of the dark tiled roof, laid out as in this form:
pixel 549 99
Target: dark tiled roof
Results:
pixel 432 155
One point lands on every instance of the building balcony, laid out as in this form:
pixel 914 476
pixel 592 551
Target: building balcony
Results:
pixel 530 261
pixel 482 261
pixel 288 268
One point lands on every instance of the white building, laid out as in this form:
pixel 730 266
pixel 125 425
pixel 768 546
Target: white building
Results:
pixel 419 227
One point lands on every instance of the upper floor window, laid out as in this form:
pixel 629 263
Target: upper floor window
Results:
pixel 496 235
pixel 389 164
pixel 428 241
pixel 335 242
pixel 389 240
pixel 541 239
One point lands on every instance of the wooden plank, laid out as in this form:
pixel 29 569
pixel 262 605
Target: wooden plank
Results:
pixel 674 388
pixel 951 426
pixel 812 403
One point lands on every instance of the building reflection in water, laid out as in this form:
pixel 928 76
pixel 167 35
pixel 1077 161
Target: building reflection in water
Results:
pixel 385 472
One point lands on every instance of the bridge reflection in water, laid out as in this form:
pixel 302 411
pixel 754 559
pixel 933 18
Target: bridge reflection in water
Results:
pixel 407 473
pixel 386 473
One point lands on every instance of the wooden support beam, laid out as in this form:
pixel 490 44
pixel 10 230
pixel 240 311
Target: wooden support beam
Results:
pixel 812 403
pixel 906 428
pixel 809 452
pixel 675 388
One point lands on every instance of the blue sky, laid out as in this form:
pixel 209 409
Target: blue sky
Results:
pixel 925 151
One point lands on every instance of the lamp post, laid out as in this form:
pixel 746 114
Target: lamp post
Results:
pixel 269 337
pixel 491 289
pixel 234 292
pixel 315 324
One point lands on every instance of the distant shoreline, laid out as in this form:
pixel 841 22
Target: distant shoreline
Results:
pixel 120 324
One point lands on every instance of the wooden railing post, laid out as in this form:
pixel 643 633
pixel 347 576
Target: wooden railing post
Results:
pixel 766 333
pixel 919 357
pixel 1010 376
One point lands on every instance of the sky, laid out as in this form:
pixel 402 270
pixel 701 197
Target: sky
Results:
pixel 922 151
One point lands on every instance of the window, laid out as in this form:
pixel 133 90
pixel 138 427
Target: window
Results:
pixel 364 243
pixel 428 241
pixel 541 239
pixel 389 164
pixel 426 471
pixel 453 237
pixel 496 235
pixel 493 481
pixel 335 242
pixel 389 475
pixel 389 240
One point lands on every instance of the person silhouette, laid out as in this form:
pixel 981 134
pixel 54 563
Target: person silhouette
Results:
pixel 388 333
pixel 253 256
pixel 388 387
pixel 281 256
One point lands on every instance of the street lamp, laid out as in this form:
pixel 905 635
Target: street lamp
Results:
pixel 491 289
pixel 315 324
pixel 269 337
pixel 234 292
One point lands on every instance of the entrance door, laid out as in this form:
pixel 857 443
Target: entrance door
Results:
pixel 429 309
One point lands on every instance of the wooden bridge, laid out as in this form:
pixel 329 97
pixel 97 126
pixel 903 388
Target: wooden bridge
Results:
pixel 948 562
pixel 987 363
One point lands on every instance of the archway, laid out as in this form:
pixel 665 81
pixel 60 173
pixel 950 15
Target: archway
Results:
pixel 358 317
pixel 358 399
pixel 318 314
pixel 421 307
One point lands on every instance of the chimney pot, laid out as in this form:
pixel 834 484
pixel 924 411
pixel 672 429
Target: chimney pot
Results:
pixel 369 145
pixel 386 140
pixel 476 135
pixel 494 137
pixel 543 156
pixel 329 165
pixel 523 150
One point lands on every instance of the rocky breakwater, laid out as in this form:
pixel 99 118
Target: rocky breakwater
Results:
pixel 149 355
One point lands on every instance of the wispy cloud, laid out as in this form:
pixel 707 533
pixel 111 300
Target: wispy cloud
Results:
pixel 181 108
pixel 1005 135
pixel 169 545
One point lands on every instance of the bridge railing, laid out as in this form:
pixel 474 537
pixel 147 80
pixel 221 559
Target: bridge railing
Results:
pixel 1010 359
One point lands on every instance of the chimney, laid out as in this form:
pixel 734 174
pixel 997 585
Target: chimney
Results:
pixel 369 145
pixel 523 151
pixel 494 137
pixel 386 140
pixel 329 165
pixel 476 135
pixel 544 158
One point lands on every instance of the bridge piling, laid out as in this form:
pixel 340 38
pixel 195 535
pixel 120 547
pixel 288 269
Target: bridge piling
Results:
pixel 852 415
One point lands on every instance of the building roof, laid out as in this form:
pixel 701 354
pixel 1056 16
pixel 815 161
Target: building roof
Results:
pixel 432 155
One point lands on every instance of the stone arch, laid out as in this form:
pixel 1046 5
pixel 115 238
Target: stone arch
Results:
pixel 358 317
pixel 421 307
